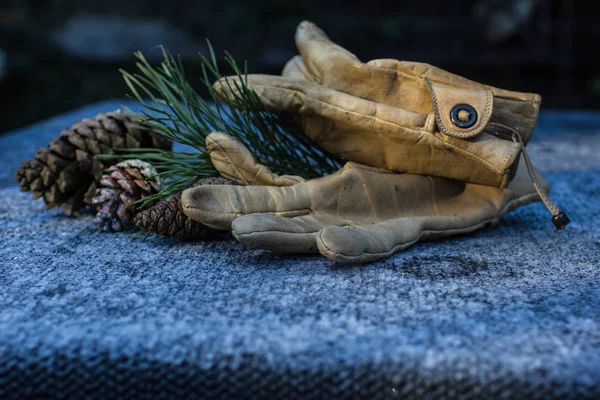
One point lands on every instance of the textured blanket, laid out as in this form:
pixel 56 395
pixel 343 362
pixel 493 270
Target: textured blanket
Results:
pixel 512 311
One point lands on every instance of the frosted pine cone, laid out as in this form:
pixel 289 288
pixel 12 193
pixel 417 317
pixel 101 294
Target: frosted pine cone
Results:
pixel 120 189
pixel 66 173
pixel 166 218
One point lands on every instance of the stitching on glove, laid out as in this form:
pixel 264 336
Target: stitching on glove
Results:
pixel 286 233
pixel 429 123
pixel 467 133
pixel 532 102
pixel 510 155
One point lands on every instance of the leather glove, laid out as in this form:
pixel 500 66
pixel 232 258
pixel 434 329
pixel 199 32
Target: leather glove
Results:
pixel 359 214
pixel 398 115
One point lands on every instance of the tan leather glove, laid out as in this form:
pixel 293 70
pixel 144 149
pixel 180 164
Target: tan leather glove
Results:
pixel 235 162
pixel 398 115
pixel 356 215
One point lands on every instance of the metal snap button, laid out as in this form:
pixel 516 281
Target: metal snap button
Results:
pixel 463 116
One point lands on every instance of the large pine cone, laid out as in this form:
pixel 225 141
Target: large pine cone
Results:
pixel 120 189
pixel 67 173
pixel 166 218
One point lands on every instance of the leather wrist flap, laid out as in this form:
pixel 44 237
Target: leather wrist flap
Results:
pixel 461 113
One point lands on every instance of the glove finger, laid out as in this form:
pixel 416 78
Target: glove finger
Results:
pixel 366 243
pixel 477 207
pixel 333 66
pixel 296 69
pixel 230 157
pixel 280 234
pixel 234 161
pixel 328 107
pixel 323 58
pixel 218 205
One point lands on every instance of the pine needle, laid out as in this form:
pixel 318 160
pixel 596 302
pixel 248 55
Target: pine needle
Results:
pixel 174 109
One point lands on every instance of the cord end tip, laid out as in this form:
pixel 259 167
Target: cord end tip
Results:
pixel 560 220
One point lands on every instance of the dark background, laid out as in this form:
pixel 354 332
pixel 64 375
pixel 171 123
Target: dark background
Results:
pixel 56 55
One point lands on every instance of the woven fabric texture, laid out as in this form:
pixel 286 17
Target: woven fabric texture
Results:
pixel 509 312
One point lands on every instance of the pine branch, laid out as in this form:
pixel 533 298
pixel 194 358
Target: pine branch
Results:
pixel 173 108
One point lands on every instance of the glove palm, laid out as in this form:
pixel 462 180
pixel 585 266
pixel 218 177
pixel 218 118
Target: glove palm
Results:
pixel 358 214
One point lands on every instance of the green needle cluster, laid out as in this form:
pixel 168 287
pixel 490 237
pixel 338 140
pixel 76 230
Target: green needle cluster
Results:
pixel 173 108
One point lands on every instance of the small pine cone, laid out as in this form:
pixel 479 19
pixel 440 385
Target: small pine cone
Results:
pixel 55 175
pixel 123 185
pixel 67 173
pixel 167 218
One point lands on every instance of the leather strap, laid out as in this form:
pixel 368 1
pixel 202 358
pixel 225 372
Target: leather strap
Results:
pixel 451 102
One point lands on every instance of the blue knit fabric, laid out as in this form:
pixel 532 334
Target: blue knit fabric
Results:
pixel 512 311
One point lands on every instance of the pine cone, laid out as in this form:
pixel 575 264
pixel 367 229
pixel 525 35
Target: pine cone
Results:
pixel 67 173
pixel 167 218
pixel 125 183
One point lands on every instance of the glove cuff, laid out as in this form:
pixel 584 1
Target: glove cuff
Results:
pixel 467 119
